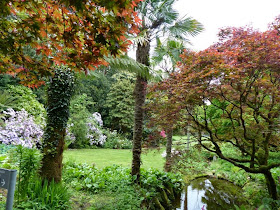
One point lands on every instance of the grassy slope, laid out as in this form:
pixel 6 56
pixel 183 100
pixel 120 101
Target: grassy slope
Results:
pixel 107 157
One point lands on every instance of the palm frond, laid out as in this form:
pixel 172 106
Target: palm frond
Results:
pixel 141 38
pixel 156 13
pixel 125 63
pixel 185 27
pixel 171 49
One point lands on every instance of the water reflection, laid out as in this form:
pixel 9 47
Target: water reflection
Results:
pixel 211 194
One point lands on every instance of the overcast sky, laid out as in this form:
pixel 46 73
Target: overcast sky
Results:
pixel 215 14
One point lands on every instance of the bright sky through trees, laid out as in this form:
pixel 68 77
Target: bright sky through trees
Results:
pixel 217 14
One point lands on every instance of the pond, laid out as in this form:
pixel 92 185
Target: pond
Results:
pixel 211 194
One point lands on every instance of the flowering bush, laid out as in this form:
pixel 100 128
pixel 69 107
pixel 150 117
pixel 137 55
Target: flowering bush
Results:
pixel 95 133
pixel 162 134
pixel 97 118
pixel 116 141
pixel 69 137
pixel 20 129
pixel 26 99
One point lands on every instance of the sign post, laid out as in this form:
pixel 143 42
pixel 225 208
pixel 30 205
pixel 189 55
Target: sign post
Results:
pixel 8 181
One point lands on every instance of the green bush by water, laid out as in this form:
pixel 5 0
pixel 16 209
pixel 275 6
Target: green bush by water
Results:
pixel 198 162
pixel 118 182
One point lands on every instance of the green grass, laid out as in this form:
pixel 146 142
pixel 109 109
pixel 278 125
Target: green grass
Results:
pixel 108 157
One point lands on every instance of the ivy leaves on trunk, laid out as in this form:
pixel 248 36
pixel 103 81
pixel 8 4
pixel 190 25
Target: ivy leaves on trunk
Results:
pixel 60 90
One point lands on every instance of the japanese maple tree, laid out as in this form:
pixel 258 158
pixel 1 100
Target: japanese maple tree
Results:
pixel 76 33
pixel 231 92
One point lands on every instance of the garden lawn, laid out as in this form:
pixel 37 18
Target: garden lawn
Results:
pixel 108 157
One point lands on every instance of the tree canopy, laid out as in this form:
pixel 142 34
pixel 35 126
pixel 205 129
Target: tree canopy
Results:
pixel 37 34
pixel 230 92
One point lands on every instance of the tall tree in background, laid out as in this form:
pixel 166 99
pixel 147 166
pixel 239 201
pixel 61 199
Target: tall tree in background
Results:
pixel 166 55
pixel 158 19
pixel 74 33
pixel 120 103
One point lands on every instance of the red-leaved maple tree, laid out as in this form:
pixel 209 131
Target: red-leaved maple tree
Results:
pixel 231 93
pixel 74 33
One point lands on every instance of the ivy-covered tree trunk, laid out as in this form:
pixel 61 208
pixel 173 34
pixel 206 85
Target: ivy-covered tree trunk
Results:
pixel 52 155
pixel 59 94
pixel 168 161
pixel 142 56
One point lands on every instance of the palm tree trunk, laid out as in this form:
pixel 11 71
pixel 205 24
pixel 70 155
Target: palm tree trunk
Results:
pixel 142 56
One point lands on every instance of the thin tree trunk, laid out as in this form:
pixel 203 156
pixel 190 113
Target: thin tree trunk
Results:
pixel 142 56
pixel 188 138
pixel 168 161
pixel 271 185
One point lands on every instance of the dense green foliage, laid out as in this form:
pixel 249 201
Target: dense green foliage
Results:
pixel 77 121
pixel 96 86
pixel 44 195
pixel 6 80
pixel 118 180
pixel 6 100
pixel 197 162
pixel 60 91
pixel 111 95
pixel 117 141
pixel 19 97
pixel 31 191
pixel 120 103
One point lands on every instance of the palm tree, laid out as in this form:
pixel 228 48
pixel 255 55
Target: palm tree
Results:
pixel 166 55
pixel 159 20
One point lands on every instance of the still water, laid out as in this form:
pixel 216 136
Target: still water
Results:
pixel 210 194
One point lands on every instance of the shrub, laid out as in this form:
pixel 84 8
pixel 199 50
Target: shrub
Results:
pixel 95 132
pixel 77 127
pixel 27 161
pixel 155 188
pixel 44 195
pixel 26 100
pixel 117 141
pixel 89 131
pixel 20 129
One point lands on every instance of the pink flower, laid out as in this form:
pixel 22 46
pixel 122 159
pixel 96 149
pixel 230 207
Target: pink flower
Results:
pixel 162 133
